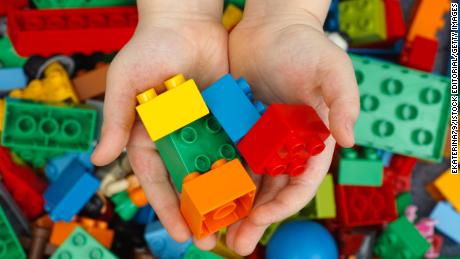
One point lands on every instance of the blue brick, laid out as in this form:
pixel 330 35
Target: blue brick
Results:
pixel 385 156
pixel 448 220
pixel 145 215
pixel 12 78
pixel 231 102
pixel 70 192
pixel 57 165
pixel 161 243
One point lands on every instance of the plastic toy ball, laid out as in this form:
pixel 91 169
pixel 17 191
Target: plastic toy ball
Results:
pixel 302 239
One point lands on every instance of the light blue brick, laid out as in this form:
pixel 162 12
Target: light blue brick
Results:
pixel 57 165
pixel 161 243
pixel 12 78
pixel 231 102
pixel 70 192
pixel 448 220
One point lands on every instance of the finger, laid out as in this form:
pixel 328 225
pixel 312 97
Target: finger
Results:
pixel 340 92
pixel 119 115
pixel 247 234
pixel 148 167
pixel 298 192
pixel 206 243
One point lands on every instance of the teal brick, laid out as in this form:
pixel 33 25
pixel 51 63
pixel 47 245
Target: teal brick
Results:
pixel 194 252
pixel 81 3
pixel 194 148
pixel 322 206
pixel 402 202
pixel 360 168
pixel 9 244
pixel 363 20
pixel 401 240
pixel 80 244
pixel 403 110
pixel 47 128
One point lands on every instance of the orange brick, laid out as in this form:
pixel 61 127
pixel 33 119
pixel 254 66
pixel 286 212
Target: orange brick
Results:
pixel 434 193
pixel 218 198
pixel 98 229
pixel 92 83
pixel 448 185
pixel 428 19
pixel 61 230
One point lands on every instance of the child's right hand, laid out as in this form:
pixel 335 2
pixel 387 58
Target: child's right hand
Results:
pixel 170 39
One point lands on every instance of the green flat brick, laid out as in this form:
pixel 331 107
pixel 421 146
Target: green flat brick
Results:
pixel 363 20
pixel 363 168
pixel 80 244
pixel 8 55
pixel 402 202
pixel 401 240
pixel 47 128
pixel 322 206
pixel 194 252
pixel 403 110
pixel 81 3
pixel 194 148
pixel 9 244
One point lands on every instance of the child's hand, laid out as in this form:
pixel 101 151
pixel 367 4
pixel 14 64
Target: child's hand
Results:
pixel 176 38
pixel 282 51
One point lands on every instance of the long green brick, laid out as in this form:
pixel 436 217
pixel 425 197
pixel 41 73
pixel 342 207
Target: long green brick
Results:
pixel 403 110
pixel 363 20
pixel 363 168
pixel 9 244
pixel 194 148
pixel 47 128
pixel 81 3
pixel 322 206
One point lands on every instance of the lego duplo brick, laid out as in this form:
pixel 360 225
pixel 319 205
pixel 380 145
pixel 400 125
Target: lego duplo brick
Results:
pixel 283 139
pixel 124 206
pixel 8 55
pixel 12 211
pixel 427 19
pixel 363 20
pixel 80 244
pixel 231 102
pixel 35 157
pixel 194 148
pixel 9 243
pixel 12 78
pixel 399 173
pixel 218 198
pixel 349 242
pixel 44 4
pixel 9 5
pixel 68 194
pixel 47 128
pixel 360 168
pixel 402 202
pixel 57 165
pixel 365 206
pixel 322 206
pixel 97 229
pixel 25 187
pixel 231 17
pixel 161 244
pixel 420 54
pixel 180 105
pixel 448 185
pixel 194 252
pixel 69 31
pixel 403 111
pixel 394 18
pixel 55 87
pixel 401 240
pixel 91 84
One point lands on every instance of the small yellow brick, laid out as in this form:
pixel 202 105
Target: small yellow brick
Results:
pixel 448 185
pixel 179 106
pixel 232 16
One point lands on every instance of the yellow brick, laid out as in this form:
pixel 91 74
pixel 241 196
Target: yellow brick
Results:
pixel 179 106
pixel 232 16
pixel 448 185
pixel 54 87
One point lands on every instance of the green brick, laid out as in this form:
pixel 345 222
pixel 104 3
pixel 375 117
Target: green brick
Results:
pixel 322 206
pixel 81 3
pixel 364 168
pixel 403 110
pixel 401 240
pixel 363 20
pixel 124 207
pixel 194 252
pixel 194 148
pixel 239 3
pixel 9 244
pixel 8 55
pixel 80 244
pixel 36 158
pixel 402 202
pixel 50 129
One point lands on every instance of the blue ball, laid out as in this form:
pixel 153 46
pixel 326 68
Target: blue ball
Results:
pixel 302 239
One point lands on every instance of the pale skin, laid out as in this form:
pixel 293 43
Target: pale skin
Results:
pixel 279 47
